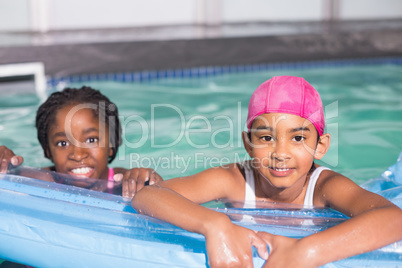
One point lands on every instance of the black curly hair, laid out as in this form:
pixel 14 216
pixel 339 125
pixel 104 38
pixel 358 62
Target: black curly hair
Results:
pixel 45 115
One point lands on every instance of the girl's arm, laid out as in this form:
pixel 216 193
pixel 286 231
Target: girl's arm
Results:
pixel 375 222
pixel 177 201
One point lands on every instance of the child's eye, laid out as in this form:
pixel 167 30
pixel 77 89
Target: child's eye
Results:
pixel 298 138
pixel 92 140
pixel 267 138
pixel 62 143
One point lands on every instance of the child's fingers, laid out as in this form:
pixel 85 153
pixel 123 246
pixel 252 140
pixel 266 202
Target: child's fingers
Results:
pixel 118 177
pixel 16 160
pixel 7 157
pixel 267 237
pixel 260 245
pixel 124 185
pixel 144 175
pixel 154 177
pixel 3 165
pixel 135 179
pixel 129 183
pixel 132 182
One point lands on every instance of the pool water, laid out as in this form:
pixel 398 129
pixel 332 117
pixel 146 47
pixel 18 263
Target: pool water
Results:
pixel 180 126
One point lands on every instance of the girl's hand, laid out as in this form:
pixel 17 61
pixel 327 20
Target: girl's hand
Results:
pixel 135 179
pixel 231 246
pixel 284 252
pixel 8 157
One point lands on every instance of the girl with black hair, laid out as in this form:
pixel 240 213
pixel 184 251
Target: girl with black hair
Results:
pixel 80 132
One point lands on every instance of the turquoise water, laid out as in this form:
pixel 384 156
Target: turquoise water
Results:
pixel 180 126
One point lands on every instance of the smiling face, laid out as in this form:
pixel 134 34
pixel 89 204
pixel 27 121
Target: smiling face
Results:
pixel 283 147
pixel 78 143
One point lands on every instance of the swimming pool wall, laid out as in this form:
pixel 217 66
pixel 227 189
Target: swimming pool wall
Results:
pixel 250 44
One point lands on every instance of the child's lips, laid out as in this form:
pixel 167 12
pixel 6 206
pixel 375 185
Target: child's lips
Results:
pixel 280 172
pixel 84 172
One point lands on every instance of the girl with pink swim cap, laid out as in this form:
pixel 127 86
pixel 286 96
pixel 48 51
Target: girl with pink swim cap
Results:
pixel 285 134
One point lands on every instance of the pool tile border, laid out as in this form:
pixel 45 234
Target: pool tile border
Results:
pixel 206 71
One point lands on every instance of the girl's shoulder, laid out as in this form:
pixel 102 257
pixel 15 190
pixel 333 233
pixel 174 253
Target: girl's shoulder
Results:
pixel 329 176
pixel 343 194
pixel 331 183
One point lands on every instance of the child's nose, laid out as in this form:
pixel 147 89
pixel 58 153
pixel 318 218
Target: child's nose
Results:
pixel 280 151
pixel 78 153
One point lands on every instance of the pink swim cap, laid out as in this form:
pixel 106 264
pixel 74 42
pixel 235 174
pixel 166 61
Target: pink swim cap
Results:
pixel 290 95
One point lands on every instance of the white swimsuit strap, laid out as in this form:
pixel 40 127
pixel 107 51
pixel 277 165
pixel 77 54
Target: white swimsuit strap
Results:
pixel 308 199
pixel 250 187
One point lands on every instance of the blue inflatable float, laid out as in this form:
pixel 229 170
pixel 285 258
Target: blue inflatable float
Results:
pixel 48 224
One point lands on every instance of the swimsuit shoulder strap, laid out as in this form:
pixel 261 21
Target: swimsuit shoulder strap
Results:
pixel 250 186
pixel 111 174
pixel 308 199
